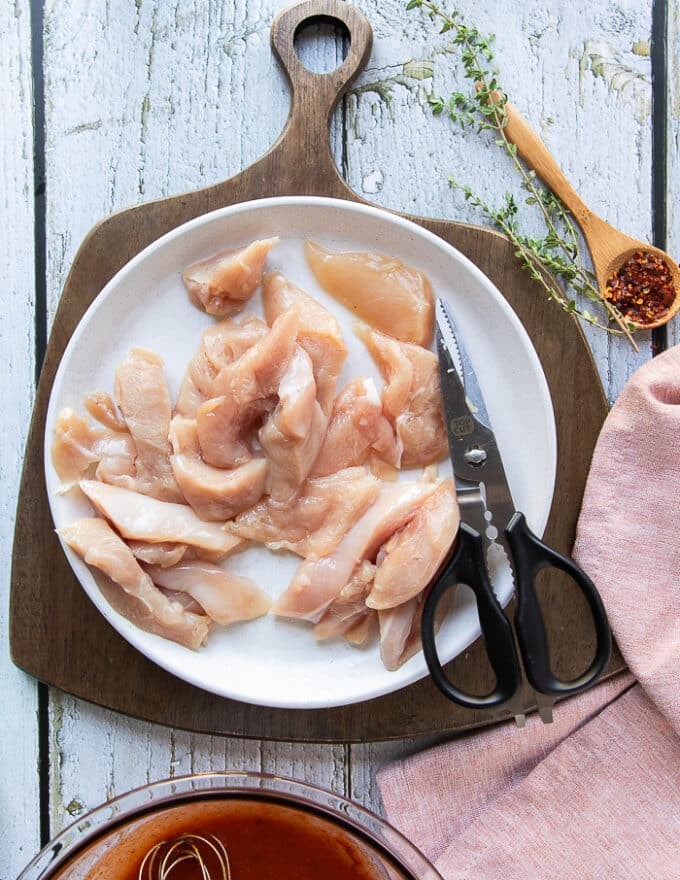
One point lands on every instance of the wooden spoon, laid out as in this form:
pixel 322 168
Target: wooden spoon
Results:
pixel 608 247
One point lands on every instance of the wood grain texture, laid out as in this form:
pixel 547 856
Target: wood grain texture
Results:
pixel 572 71
pixel 179 124
pixel 19 788
pixel 130 753
pixel 299 162
pixel 150 98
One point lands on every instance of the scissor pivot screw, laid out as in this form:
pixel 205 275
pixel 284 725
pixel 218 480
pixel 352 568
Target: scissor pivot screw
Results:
pixel 475 457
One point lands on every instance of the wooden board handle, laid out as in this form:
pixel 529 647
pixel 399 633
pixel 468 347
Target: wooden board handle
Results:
pixel 315 95
pixel 326 87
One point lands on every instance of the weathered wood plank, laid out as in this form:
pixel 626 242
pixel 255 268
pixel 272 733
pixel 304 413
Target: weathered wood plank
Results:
pixel 202 98
pixel 96 754
pixel 673 166
pixel 19 791
pixel 185 96
pixel 580 74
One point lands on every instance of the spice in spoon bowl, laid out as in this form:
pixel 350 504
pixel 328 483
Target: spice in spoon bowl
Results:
pixel 645 288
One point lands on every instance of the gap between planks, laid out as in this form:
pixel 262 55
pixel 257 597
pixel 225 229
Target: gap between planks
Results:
pixel 19 790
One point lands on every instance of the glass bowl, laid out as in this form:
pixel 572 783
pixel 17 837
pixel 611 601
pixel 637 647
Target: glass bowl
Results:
pixel 111 841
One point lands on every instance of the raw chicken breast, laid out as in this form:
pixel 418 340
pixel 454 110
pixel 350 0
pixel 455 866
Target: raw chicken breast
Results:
pixel 226 598
pixel 101 407
pixel 96 542
pixel 186 601
pixel 381 290
pixel 166 555
pixel 381 469
pixel 78 445
pixel 397 626
pixel 360 633
pixel 357 428
pixel 221 344
pixel 316 583
pixel 411 397
pixel 202 555
pixel 243 391
pixel 349 608
pixel 214 493
pixel 316 522
pixel 318 332
pixel 221 284
pixel 146 519
pixel 226 341
pixel 141 393
pixel 400 627
pixel 413 555
pixel 292 435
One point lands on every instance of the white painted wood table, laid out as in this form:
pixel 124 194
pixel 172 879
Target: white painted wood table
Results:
pixel 111 102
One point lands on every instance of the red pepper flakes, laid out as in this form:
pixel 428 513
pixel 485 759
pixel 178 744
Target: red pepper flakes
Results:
pixel 642 289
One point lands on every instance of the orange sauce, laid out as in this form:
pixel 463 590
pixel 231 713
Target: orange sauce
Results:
pixel 264 840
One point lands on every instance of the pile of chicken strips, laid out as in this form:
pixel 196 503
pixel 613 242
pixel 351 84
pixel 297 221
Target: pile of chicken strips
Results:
pixel 262 446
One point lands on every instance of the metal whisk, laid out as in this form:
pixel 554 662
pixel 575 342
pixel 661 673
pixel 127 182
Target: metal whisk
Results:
pixel 204 852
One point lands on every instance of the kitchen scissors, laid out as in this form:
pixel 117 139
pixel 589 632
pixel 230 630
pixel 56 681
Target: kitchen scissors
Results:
pixel 490 520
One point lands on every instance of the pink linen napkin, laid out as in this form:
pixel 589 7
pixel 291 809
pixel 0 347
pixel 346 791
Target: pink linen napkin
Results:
pixel 597 793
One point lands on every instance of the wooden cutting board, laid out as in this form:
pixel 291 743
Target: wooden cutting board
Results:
pixel 57 635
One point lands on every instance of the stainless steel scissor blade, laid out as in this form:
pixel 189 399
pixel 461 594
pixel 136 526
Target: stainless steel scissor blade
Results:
pixel 474 451
pixel 489 518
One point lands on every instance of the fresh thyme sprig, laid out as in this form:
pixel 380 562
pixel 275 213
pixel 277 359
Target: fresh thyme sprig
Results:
pixel 558 252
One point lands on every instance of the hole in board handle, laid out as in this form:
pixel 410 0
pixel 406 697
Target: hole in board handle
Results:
pixel 321 43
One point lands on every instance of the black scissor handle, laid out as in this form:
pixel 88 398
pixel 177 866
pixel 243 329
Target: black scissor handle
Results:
pixel 467 565
pixel 530 555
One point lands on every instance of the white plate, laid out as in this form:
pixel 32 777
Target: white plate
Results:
pixel 275 662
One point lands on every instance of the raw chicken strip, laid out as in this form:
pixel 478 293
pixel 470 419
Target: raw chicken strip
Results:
pixel 143 518
pixel 226 598
pixel 141 393
pixel 202 555
pixel 196 385
pixel 316 522
pixel 396 627
pixel 382 470
pixel 214 493
pixel 243 391
pixel 186 601
pixel 360 633
pixel 78 445
pixel 165 555
pixel 400 628
pixel 101 407
pixel 221 344
pixel 411 396
pixel 357 427
pixel 316 583
pixel 349 608
pixel 292 435
pixel 226 341
pixel 413 555
pixel 96 542
pixel 221 284
pixel 389 295
pixel 318 332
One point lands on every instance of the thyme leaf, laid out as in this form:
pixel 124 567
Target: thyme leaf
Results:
pixel 558 253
